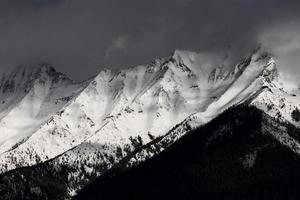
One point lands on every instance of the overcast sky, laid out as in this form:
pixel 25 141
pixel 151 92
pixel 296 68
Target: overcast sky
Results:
pixel 79 37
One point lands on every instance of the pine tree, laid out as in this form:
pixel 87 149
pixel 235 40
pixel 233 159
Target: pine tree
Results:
pixel 296 115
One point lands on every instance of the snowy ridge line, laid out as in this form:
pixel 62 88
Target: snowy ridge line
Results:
pixel 150 83
pixel 33 90
pixel 153 105
pixel 50 117
pixel 181 132
pixel 237 76
pixel 49 160
pixel 160 144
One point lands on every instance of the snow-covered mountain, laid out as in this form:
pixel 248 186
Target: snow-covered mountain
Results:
pixel 88 127
pixel 29 96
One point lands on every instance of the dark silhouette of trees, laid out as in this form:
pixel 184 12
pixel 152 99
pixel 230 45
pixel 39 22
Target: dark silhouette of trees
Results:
pixel 296 115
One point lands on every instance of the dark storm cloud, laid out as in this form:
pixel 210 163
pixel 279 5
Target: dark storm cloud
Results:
pixel 81 37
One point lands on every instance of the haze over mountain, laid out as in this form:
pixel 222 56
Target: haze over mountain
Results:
pixel 81 37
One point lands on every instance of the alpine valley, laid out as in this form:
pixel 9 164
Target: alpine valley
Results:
pixel 182 127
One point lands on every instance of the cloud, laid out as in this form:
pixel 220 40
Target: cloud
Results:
pixel 283 40
pixel 81 37
pixel 120 44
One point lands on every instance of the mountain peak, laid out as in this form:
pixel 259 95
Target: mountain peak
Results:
pixel 23 76
pixel 266 59
pixel 215 68
pixel 45 67
pixel 184 56
pixel 45 70
pixel 117 112
pixel 199 63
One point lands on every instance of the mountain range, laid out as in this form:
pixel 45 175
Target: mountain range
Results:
pixel 58 136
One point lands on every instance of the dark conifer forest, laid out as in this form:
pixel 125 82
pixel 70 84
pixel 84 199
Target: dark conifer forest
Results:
pixel 232 157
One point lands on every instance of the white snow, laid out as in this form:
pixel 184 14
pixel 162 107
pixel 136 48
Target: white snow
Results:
pixel 35 98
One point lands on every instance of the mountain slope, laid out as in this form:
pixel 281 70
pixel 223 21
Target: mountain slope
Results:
pixel 123 134
pixel 231 157
pixel 155 97
pixel 29 96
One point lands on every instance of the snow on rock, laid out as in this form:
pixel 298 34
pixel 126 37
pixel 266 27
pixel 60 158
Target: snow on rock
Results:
pixel 29 96
pixel 251 76
pixel 166 94
pixel 278 102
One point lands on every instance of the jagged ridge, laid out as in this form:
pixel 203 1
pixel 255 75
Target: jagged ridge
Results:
pixel 114 114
